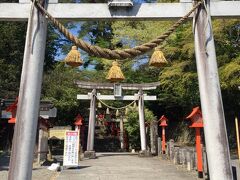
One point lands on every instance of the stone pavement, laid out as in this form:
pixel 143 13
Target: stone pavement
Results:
pixel 38 173
pixel 119 166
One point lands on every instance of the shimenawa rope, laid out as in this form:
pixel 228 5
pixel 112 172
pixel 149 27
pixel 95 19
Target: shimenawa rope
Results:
pixel 116 54
pixel 111 107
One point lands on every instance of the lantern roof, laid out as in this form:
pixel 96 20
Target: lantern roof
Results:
pixel 195 111
pixel 163 117
pixel 196 118
pixel 163 121
pixel 12 120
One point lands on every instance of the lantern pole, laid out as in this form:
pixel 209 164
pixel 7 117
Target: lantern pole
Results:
pixel 29 97
pixel 163 140
pixel 211 100
pixel 199 153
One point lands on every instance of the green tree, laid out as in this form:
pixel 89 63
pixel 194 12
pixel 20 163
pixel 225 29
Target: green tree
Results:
pixel 59 87
pixel 178 91
pixel 132 125
pixel 12 40
pixel 12 43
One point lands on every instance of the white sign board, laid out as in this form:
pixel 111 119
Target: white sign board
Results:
pixel 71 148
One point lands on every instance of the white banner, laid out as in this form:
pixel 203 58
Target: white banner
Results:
pixel 71 148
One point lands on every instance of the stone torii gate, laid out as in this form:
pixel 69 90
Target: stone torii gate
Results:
pixel 31 78
pixel 140 97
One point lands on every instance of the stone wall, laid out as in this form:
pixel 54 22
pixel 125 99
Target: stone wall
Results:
pixel 183 156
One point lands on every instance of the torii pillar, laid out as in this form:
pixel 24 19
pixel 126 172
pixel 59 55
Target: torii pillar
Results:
pixel 141 121
pixel 90 153
pixel 210 94
pixel 29 97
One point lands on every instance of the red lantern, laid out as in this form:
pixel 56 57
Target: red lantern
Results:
pixel 13 109
pixel 196 118
pixel 12 120
pixel 197 123
pixel 163 124
pixel 78 120
pixel 163 121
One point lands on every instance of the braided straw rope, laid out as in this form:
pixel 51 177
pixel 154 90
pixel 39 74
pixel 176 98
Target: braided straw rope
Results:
pixel 116 54
pixel 115 108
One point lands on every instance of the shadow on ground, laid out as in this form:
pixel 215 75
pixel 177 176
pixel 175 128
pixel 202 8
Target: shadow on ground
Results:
pixel 4 161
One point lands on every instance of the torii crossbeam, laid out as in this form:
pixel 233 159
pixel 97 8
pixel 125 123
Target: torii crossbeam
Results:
pixel 91 11
pixel 30 87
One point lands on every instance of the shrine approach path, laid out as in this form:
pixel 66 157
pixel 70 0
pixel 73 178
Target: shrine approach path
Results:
pixel 125 166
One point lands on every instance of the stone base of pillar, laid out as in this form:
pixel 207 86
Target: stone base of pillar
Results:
pixel 90 154
pixel 144 153
pixel 163 156
pixel 200 174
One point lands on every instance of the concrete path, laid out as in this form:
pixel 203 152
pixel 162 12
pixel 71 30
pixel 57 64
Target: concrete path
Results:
pixel 116 166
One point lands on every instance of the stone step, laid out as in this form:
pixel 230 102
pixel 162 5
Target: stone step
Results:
pixel 107 144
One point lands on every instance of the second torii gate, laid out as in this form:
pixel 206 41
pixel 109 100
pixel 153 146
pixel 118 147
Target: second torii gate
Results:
pixel 140 97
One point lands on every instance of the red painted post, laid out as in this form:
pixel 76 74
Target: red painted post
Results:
pixel 78 123
pixel 163 124
pixel 199 153
pixel 163 140
pixel 197 123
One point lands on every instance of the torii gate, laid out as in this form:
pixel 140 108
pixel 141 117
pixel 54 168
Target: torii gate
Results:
pixel 140 97
pixel 30 87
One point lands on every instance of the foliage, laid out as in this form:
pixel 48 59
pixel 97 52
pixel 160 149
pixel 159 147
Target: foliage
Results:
pixel 12 40
pixel 179 92
pixel 132 125
pixel 59 87
pixel 230 73
pixel 12 43
pixel 179 85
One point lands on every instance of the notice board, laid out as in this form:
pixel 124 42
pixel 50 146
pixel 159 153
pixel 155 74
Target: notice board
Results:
pixel 71 148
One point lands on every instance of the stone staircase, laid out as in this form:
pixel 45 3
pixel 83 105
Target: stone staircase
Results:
pixel 104 142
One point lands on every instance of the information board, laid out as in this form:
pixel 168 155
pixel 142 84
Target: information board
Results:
pixel 58 132
pixel 71 148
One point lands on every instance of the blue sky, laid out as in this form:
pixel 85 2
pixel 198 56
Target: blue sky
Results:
pixel 141 60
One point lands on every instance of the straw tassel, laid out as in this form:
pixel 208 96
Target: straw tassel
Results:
pixel 99 105
pixel 117 113
pixel 107 111
pixel 115 73
pixel 158 59
pixel 73 58
pixel 135 105
pixel 126 111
